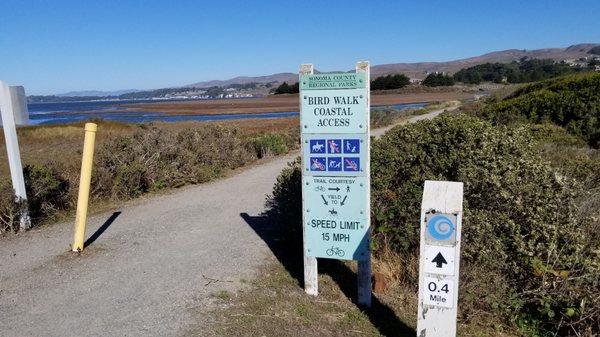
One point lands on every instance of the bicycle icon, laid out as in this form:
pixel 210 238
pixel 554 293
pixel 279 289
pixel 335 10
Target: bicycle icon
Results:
pixel 335 250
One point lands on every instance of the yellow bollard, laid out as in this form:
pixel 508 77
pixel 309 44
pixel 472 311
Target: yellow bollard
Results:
pixel 84 186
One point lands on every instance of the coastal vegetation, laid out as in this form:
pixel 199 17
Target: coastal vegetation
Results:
pixel 388 82
pixel 132 160
pixel 572 102
pixel 515 72
pixel 285 88
pixel 532 190
pixel 438 80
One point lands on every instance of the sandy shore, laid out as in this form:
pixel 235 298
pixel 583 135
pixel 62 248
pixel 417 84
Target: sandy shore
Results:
pixel 280 103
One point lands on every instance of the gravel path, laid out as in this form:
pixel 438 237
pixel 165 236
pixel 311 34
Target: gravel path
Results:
pixel 160 258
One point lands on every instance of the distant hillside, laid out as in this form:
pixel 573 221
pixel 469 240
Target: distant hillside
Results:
pixel 420 69
pixel 275 78
pixel 96 93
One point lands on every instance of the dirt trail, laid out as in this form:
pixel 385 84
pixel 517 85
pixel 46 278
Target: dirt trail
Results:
pixel 153 265
pixel 431 114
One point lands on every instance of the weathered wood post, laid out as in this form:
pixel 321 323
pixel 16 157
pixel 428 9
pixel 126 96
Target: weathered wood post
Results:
pixel 7 109
pixel 334 119
pixel 441 227
pixel 364 266
pixel 311 271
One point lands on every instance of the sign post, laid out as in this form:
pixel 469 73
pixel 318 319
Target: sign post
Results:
pixel 441 226
pixel 334 120
pixel 19 104
pixel 7 109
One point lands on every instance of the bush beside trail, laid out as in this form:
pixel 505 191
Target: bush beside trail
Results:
pixel 148 159
pixel 526 256
pixel 521 223
pixel 572 102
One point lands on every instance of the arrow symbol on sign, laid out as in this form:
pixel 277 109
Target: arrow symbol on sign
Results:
pixel 439 260
pixel 337 189
pixel 344 200
pixel 325 201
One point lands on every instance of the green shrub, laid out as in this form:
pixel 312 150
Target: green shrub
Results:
pixel 153 159
pixel 520 223
pixel 388 82
pixel 438 80
pixel 47 191
pixel 9 209
pixel 285 88
pixel 286 202
pixel 269 144
pixel 572 102
pixel 514 72
pixel 525 254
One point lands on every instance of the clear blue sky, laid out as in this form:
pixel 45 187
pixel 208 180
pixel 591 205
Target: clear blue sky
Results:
pixel 58 46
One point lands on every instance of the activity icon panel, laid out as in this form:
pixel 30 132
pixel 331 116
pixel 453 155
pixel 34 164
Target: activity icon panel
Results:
pixel 344 155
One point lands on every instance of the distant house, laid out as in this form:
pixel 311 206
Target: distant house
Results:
pixel 415 81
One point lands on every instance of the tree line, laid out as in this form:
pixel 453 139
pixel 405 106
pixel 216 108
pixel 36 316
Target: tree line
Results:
pixel 285 88
pixel 515 72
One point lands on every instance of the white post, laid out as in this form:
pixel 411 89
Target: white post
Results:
pixel 364 266
pixel 14 156
pixel 19 101
pixel 311 273
pixel 441 227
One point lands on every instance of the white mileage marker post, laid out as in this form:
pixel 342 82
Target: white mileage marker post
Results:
pixel 441 225
pixel 334 119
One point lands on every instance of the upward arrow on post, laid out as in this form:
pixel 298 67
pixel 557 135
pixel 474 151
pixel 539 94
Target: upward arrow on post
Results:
pixel 439 260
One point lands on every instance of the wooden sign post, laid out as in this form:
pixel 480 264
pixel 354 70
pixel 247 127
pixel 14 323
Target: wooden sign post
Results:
pixel 334 120
pixel 7 109
pixel 441 226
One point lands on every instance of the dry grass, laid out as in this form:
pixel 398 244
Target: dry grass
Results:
pixel 274 304
pixel 62 144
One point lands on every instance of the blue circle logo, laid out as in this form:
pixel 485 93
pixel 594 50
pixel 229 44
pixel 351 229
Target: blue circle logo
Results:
pixel 440 227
